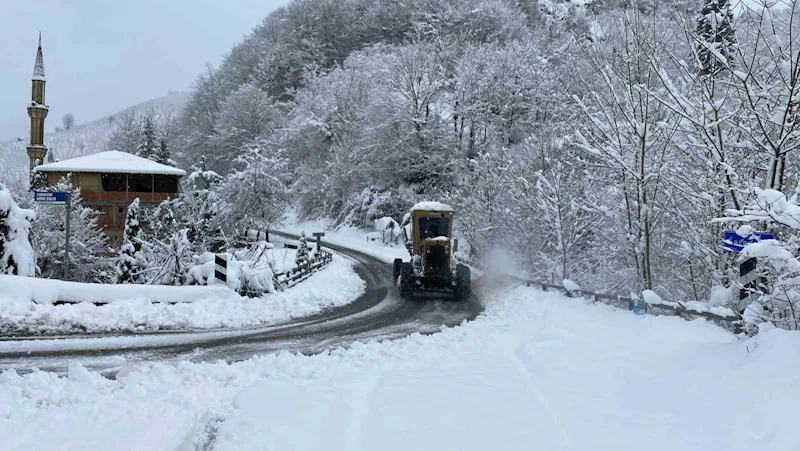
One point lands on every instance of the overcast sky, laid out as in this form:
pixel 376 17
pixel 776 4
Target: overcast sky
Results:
pixel 101 56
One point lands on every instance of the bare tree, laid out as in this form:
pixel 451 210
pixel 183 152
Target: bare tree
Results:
pixel 629 134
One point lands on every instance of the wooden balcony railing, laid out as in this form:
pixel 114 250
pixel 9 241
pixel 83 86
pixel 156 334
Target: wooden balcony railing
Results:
pixel 122 196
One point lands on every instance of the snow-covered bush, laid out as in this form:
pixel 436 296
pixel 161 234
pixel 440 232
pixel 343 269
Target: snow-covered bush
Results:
pixel 388 230
pixel 16 254
pixel 168 261
pixel 250 278
pixel 302 258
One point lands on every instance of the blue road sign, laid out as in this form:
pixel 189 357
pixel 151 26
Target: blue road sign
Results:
pixel 50 197
pixel 732 241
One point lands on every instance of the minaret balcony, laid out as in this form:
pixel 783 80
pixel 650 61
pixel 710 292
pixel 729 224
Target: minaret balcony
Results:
pixel 38 111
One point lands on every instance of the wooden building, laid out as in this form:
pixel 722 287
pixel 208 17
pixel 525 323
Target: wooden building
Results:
pixel 110 181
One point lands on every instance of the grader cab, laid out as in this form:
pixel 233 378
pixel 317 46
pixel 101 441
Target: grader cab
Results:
pixel 428 231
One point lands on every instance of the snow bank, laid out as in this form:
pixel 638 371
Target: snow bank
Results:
pixel 132 311
pixel 15 289
pixel 537 371
pixel 654 300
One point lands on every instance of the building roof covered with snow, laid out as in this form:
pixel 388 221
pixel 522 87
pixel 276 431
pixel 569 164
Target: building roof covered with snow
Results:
pixel 112 161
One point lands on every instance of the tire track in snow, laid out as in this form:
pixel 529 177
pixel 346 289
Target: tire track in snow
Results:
pixel 534 377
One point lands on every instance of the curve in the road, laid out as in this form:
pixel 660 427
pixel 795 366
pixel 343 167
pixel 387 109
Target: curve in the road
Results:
pixel 378 313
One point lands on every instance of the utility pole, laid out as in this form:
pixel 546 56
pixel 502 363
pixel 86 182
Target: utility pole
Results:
pixel 66 241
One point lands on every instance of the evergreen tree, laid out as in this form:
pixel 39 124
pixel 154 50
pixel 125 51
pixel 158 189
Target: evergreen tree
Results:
pixel 130 259
pixel 162 153
pixel 148 142
pixel 38 179
pixel 717 38
pixel 199 207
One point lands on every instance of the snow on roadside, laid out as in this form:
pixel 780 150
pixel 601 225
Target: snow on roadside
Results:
pixel 536 371
pixel 336 285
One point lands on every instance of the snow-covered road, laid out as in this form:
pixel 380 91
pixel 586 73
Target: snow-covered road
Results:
pixel 377 313
pixel 536 371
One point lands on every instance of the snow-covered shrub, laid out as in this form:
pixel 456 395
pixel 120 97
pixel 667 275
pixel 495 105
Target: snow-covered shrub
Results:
pixel 388 230
pixel 249 278
pixel 168 261
pixel 302 258
pixel 16 253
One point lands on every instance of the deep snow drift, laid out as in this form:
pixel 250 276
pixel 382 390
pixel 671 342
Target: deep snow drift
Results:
pixel 210 307
pixel 536 371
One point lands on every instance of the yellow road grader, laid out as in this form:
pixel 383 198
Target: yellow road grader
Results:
pixel 428 231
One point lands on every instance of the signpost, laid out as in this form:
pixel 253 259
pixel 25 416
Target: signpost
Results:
pixel 51 197
pixel 58 198
pixel 318 236
pixel 748 276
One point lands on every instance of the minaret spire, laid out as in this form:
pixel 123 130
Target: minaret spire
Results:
pixel 37 111
pixel 38 66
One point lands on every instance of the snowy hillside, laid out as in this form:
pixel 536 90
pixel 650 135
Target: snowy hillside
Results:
pixel 83 139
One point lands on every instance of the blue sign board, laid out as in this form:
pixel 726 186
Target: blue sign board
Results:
pixel 732 241
pixel 50 197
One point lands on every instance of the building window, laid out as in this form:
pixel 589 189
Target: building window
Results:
pixel 120 210
pixel 113 182
pixel 165 183
pixel 140 183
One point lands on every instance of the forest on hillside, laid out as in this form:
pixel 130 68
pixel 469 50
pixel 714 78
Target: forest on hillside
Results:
pixel 597 142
